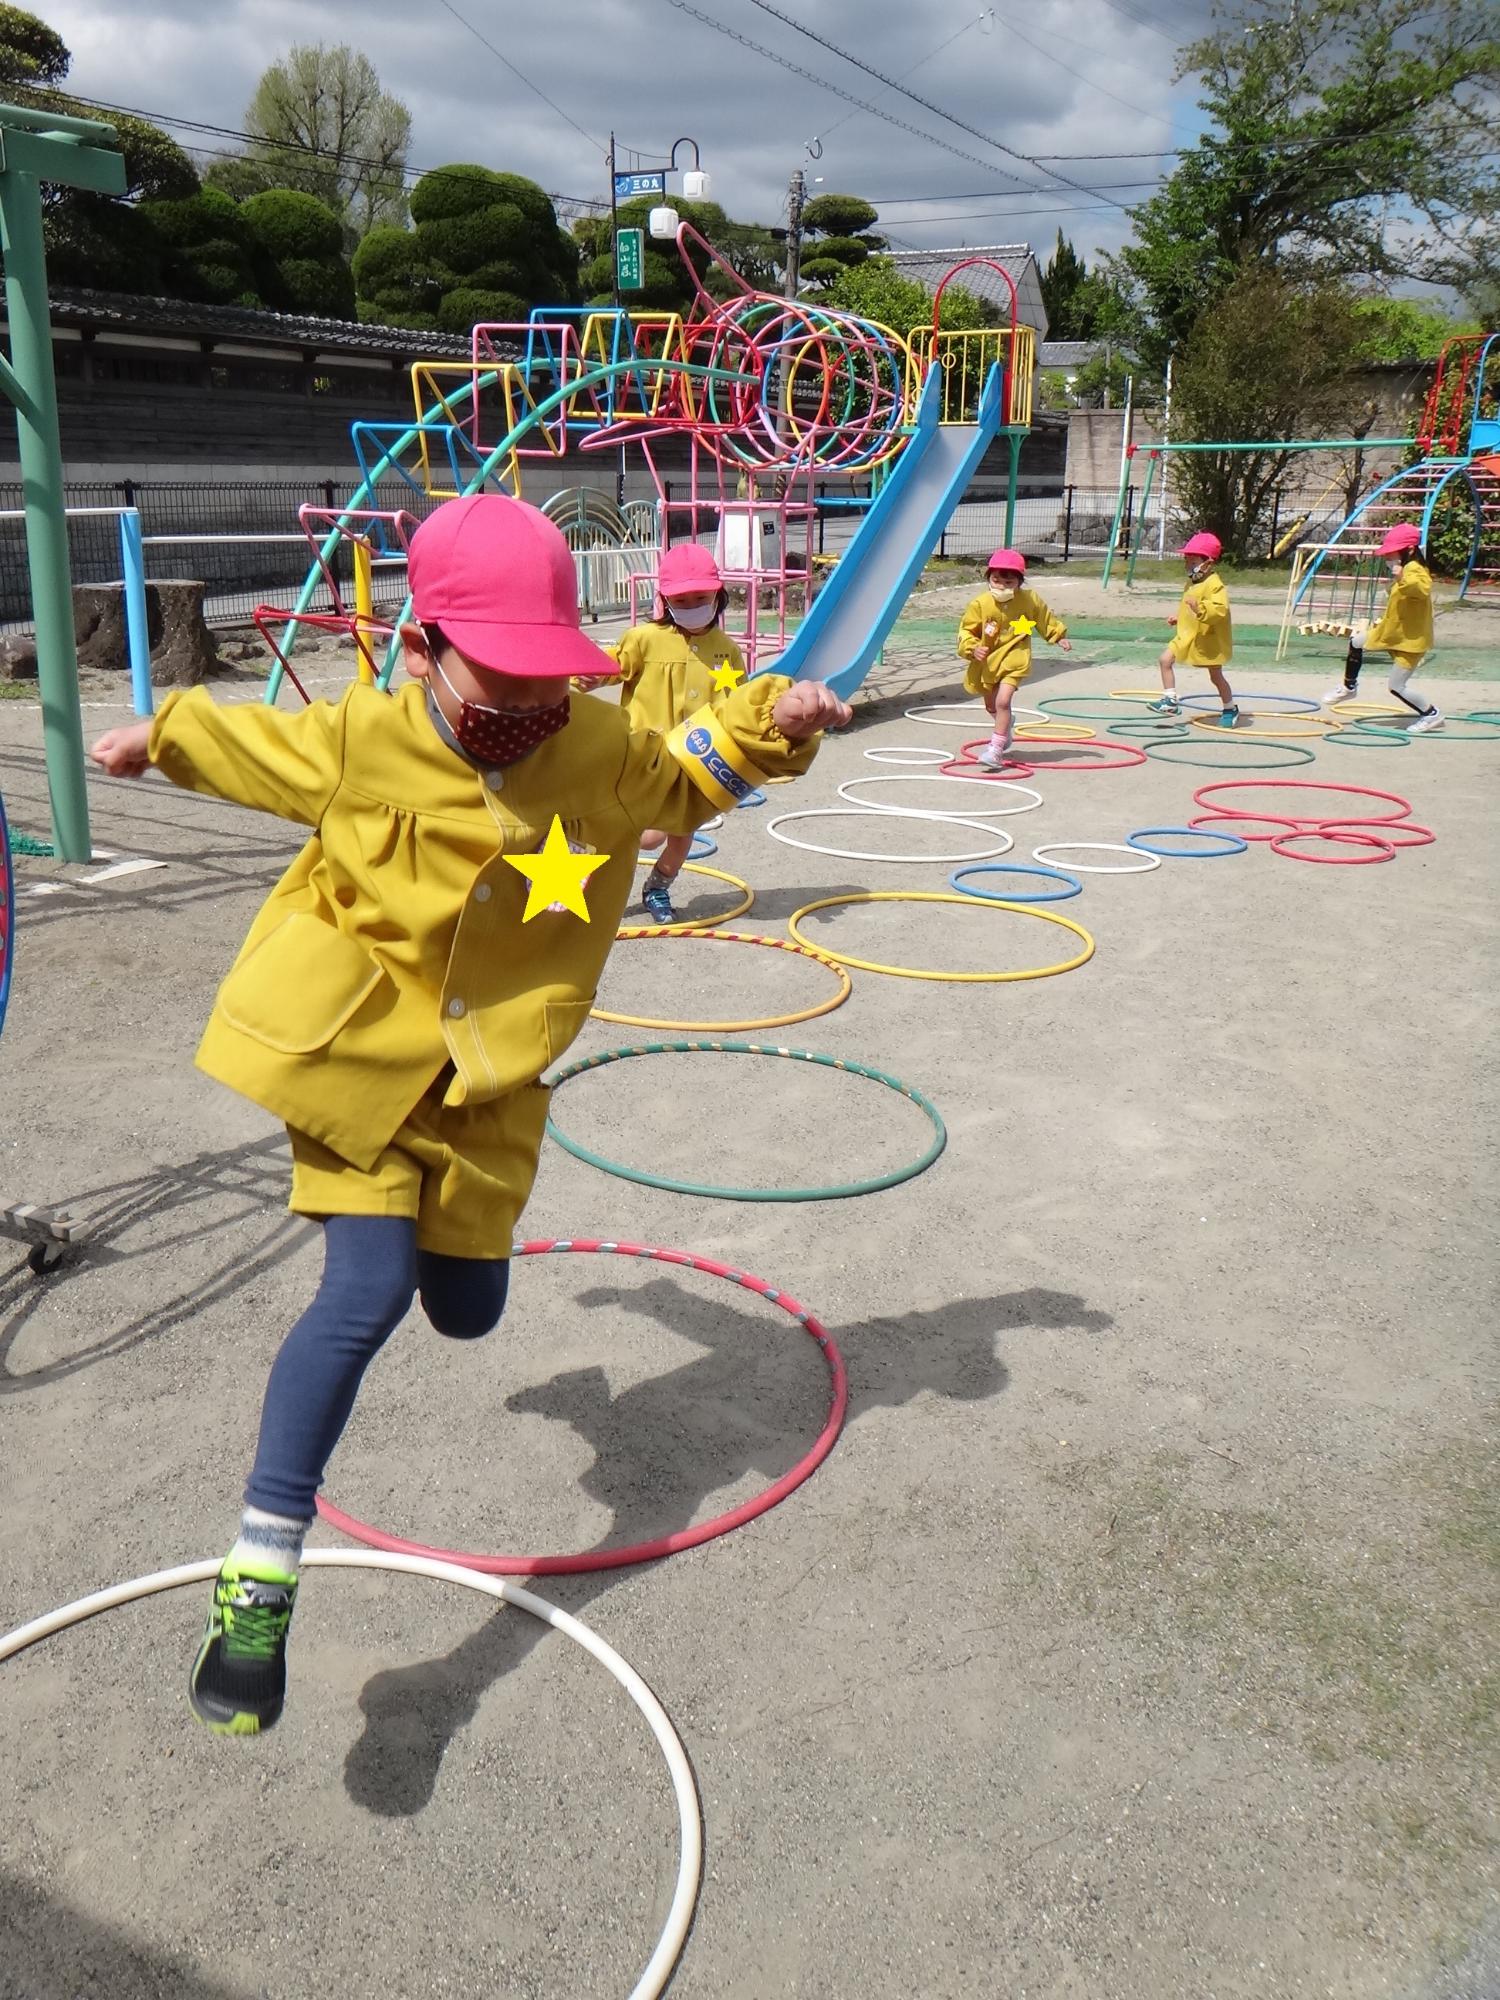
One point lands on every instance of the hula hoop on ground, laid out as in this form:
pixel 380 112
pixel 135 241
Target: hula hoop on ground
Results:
pixel 1481 715
pixel 1135 694
pixel 718 874
pixel 1010 769
pixel 1280 845
pixel 1086 705
pixel 1294 704
pixel 1292 754
pixel 845 985
pixel 1370 737
pixel 1055 730
pixel 1272 820
pixel 752 798
pixel 846 792
pixel 1152 732
pixel 700 850
pixel 907 753
pixel 973 709
pixel 587 1561
pixel 1139 865
pixel 1350 711
pixel 1317 727
pixel 684 1791
pixel 839 1191
pixel 1131 756
pixel 1004 842
pixel 943 896
pixel 1485 730
pixel 1389 828
pixel 1232 842
pixel 1201 798
pixel 1071 887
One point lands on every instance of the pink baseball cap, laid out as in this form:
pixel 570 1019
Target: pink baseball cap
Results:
pixel 498 578
pixel 685 568
pixel 1008 559
pixel 1405 535
pixel 1203 544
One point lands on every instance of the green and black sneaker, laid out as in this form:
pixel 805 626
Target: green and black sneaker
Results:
pixel 238 1682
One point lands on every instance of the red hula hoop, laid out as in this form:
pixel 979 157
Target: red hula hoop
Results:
pixel 1119 762
pixel 961 767
pixel 1278 846
pixel 1263 819
pixel 1389 828
pixel 1201 798
pixel 684 1538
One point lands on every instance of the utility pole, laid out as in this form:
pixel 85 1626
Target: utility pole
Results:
pixel 796 196
pixel 614 345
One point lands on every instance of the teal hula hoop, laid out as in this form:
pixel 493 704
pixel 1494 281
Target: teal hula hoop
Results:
pixel 1291 754
pixel 837 1192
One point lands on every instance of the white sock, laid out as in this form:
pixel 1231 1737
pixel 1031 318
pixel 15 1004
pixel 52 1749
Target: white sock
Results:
pixel 998 744
pixel 269 1541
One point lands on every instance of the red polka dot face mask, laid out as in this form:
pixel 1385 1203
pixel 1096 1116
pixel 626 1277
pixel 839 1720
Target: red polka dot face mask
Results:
pixel 501 735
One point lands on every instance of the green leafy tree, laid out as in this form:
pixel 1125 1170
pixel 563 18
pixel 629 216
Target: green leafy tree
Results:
pixel 302 245
pixel 397 282
pixel 877 290
pixel 322 124
pixel 668 287
pixel 838 232
pixel 1063 277
pixel 31 53
pixel 209 250
pixel 1404 330
pixel 1334 125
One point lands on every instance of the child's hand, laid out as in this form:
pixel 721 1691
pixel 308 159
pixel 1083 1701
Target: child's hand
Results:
pixel 122 752
pixel 806 708
pixel 980 653
pixel 1065 645
pixel 1173 619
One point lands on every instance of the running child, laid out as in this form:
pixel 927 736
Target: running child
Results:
pixel 1404 629
pixel 1205 637
pixel 669 668
pixel 994 637
pixel 401 992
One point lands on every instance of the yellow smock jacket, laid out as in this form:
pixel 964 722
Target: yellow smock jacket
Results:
pixel 1405 627
pixel 1008 654
pixel 393 946
pixel 666 674
pixel 1205 637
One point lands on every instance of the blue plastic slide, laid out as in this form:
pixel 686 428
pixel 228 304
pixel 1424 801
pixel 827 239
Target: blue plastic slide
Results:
pixel 851 618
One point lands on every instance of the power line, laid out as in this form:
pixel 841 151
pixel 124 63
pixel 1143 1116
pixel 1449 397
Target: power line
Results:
pixel 535 87
pixel 796 69
pixel 987 14
pixel 1150 116
pixel 981 194
pixel 891 84
pixel 1142 21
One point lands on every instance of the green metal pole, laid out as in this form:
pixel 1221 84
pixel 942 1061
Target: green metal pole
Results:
pixel 1114 527
pixel 1140 523
pixel 46 521
pixel 1013 438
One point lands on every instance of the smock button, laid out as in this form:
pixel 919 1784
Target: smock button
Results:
pixel 482 893
pixel 494 779
pixel 456 1009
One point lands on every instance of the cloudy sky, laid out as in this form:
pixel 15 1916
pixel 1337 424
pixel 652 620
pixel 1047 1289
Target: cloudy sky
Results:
pixel 1061 81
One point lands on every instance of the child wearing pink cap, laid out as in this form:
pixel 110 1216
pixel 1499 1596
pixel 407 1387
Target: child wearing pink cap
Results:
pixel 994 636
pixel 401 992
pixel 1205 635
pixel 669 668
pixel 1404 628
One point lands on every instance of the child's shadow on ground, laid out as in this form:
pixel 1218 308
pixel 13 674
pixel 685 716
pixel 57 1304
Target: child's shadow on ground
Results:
pixel 658 1452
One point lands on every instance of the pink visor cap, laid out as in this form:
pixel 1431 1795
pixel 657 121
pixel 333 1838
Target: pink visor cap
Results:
pixel 498 578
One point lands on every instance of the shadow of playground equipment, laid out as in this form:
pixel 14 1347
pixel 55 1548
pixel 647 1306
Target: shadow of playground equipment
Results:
pixel 412 1713
pixel 51 1951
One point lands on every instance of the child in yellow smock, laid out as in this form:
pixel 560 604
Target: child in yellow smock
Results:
pixel 994 637
pixel 435 945
pixel 1404 629
pixel 669 668
pixel 1205 635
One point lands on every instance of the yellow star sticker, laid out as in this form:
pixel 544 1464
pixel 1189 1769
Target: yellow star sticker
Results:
pixel 727 677
pixel 556 874
pixel 1023 627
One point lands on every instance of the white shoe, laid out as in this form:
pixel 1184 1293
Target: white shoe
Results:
pixel 1433 719
pixel 1340 694
pixel 989 762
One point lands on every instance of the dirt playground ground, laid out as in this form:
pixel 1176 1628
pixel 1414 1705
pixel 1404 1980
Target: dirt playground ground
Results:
pixel 1137 1641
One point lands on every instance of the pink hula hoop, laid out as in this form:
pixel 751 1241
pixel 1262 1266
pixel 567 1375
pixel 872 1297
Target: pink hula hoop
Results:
pixel 662 1545
pixel 1201 796
pixel 1262 819
pixel 1388 852
pixel 1389 828
pixel 1126 754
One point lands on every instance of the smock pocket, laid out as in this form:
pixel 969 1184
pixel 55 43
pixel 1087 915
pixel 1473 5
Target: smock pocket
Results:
pixel 564 1021
pixel 299 986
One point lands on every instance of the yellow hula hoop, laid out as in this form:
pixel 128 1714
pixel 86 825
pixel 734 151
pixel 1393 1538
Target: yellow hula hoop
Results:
pixel 941 896
pixel 1312 725
pixel 1344 709
pixel 699 868
pixel 846 985
pixel 1076 732
pixel 1135 694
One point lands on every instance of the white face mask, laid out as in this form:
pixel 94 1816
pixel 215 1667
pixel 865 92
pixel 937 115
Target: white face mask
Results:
pixel 693 618
pixel 1002 592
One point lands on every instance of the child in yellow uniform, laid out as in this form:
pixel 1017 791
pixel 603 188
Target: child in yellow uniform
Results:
pixel 668 669
pixel 1205 636
pixel 1404 629
pixel 406 983
pixel 994 637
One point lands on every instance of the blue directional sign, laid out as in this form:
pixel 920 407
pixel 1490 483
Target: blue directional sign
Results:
pixel 628 186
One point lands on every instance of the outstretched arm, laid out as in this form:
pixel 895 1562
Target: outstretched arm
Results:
pixel 253 756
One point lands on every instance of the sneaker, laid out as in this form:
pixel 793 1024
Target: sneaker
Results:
pixel 1433 719
pixel 1341 694
pixel 1168 705
pixel 988 761
pixel 238 1682
pixel 1228 717
pixel 657 898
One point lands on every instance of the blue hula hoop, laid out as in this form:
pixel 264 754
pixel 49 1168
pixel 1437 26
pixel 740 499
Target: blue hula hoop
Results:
pixel 1074 886
pixel 700 850
pixel 1294 704
pixel 1232 843
pixel 755 798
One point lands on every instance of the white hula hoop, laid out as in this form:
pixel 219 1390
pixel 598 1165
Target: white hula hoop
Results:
pixel 971 711
pixel 1044 854
pixel 908 753
pixel 1005 788
pixel 996 833
pixel 690 1862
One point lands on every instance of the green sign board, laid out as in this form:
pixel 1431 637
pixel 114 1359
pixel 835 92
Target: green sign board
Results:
pixel 630 259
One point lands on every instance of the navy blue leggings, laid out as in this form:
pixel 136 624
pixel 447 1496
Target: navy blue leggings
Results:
pixel 372 1268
